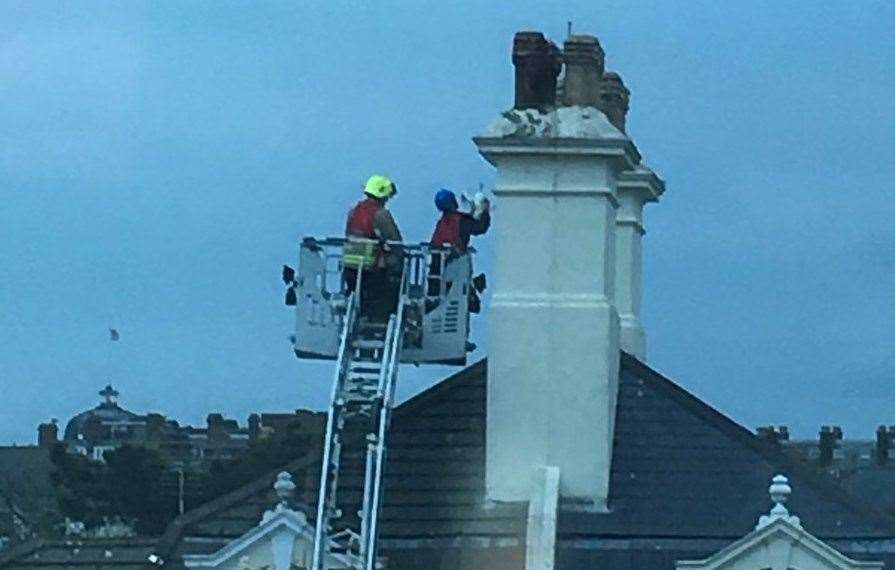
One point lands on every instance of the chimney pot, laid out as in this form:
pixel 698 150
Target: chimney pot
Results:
pixel 615 99
pixel 537 64
pixel 584 59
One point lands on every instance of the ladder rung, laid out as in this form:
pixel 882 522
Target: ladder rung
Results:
pixel 368 344
pixel 364 400
pixel 364 409
pixel 364 377
pixel 360 388
pixel 366 368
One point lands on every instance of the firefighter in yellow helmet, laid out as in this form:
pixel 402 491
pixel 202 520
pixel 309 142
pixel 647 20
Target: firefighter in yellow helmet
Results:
pixel 370 225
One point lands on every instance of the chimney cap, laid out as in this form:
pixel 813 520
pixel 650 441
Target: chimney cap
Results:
pixel 532 43
pixel 583 44
pixel 614 84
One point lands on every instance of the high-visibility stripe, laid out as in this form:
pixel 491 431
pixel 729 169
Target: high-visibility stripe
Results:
pixel 360 254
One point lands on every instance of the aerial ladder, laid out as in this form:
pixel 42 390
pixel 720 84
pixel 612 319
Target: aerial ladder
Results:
pixel 430 325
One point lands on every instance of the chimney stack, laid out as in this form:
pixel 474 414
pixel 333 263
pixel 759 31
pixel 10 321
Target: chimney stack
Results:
pixel 773 434
pixel 584 60
pixel 615 99
pixel 537 64
pixel 827 439
pixel 883 444
pixel 554 340
pixel 254 427
pixel 47 434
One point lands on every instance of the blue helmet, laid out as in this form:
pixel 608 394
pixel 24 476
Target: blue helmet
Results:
pixel 446 201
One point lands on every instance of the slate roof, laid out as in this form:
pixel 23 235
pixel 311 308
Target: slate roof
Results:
pixel 874 484
pixel 678 464
pixel 685 481
pixel 20 464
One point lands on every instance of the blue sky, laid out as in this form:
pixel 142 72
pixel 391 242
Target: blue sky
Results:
pixel 160 160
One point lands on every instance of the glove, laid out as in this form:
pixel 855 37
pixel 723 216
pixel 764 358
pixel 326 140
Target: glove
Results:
pixel 480 205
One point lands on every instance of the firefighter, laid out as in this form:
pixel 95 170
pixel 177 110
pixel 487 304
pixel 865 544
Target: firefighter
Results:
pixel 370 225
pixel 454 229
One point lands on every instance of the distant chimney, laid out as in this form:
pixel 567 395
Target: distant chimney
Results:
pixel 537 64
pixel 883 444
pixel 584 59
pixel 553 359
pixel 254 427
pixel 47 434
pixel 773 434
pixel 215 423
pixel 155 425
pixel 827 442
pixel 614 99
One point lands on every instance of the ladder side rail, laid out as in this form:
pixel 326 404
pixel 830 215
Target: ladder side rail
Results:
pixel 384 422
pixel 373 437
pixel 387 357
pixel 322 523
pixel 365 510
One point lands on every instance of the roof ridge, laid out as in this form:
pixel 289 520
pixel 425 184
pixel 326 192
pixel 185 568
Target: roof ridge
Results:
pixel 772 453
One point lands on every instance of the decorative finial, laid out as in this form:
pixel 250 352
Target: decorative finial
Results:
pixel 110 394
pixel 779 491
pixel 284 488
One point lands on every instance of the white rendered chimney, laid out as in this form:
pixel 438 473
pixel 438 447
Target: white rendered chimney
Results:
pixel 554 330
pixel 636 187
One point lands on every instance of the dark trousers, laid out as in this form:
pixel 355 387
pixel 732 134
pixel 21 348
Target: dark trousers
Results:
pixel 379 293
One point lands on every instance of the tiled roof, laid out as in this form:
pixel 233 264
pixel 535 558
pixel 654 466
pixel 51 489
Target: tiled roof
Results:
pixel 25 484
pixel 21 462
pixel 873 484
pixel 685 481
pixel 681 468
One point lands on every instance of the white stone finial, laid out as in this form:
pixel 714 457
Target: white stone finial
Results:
pixel 284 487
pixel 779 491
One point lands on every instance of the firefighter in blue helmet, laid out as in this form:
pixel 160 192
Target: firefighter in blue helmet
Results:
pixel 454 229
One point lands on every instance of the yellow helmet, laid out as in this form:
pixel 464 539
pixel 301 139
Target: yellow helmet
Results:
pixel 380 187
